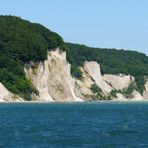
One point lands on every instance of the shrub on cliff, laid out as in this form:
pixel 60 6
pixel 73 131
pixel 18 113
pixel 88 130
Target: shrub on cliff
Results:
pixel 76 72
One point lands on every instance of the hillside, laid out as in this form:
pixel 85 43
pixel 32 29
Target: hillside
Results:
pixel 24 43
pixel 20 43
pixel 112 61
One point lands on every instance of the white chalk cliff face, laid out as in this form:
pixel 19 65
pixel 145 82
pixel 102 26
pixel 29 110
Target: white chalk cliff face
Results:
pixel 6 96
pixel 82 87
pixel 90 75
pixel 107 83
pixel 136 96
pixel 60 81
pixel 120 97
pixel 118 82
pixel 52 79
pixel 93 69
pixel 39 77
pixel 145 94
pixel 121 82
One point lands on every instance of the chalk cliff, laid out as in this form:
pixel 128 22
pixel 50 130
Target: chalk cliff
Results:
pixel 91 75
pixel 54 83
pixel 52 78
pixel 122 82
pixel 7 96
pixel 118 82
pixel 93 69
pixel 39 77
pixel 145 93
pixel 136 96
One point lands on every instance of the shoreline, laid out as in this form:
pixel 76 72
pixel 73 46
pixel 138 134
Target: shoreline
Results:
pixel 73 102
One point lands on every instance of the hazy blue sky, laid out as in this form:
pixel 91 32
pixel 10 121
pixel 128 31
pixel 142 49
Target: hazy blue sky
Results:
pixel 98 23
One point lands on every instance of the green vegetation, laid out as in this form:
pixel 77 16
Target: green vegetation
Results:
pixel 96 89
pixel 128 91
pixel 112 61
pixel 114 93
pixel 76 72
pixel 20 43
pixel 140 81
pixel 97 92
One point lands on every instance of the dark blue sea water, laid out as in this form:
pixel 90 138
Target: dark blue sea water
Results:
pixel 103 124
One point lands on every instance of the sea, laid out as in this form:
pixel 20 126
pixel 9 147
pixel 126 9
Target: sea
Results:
pixel 74 125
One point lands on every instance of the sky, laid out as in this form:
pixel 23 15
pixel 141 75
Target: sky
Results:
pixel 121 24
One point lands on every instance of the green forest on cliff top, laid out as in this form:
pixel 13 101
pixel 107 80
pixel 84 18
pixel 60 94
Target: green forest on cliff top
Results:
pixel 22 42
